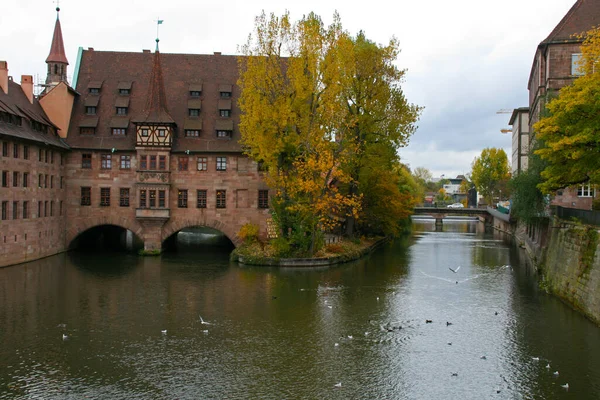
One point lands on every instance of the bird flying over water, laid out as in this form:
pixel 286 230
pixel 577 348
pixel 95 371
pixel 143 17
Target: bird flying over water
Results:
pixel 203 322
pixel 454 270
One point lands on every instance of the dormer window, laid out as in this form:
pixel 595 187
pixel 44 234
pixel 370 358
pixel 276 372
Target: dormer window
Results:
pixel 144 132
pixel 121 110
pixel 124 88
pixel 90 110
pixel 87 131
pixel 94 87
pixel 194 112
pixel 225 113
pixel 94 91
pixel 225 91
pixel 195 89
pixel 223 134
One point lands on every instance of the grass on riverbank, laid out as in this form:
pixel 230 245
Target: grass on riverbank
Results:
pixel 265 253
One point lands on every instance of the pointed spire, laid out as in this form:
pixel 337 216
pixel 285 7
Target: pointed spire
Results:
pixel 156 106
pixel 57 50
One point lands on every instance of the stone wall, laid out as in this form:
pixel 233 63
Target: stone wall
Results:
pixel 570 266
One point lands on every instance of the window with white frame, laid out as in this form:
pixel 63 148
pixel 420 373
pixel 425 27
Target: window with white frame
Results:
pixel 586 191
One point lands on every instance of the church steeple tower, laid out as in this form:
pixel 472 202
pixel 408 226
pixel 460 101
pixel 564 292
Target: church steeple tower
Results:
pixel 56 60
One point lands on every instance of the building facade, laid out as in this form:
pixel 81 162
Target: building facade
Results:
pixel 146 141
pixel 555 66
pixel 519 121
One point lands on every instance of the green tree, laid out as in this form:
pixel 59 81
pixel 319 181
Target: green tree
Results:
pixel 528 202
pixel 571 130
pixel 489 170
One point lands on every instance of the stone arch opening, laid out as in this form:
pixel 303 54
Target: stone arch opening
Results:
pixel 197 237
pixel 106 237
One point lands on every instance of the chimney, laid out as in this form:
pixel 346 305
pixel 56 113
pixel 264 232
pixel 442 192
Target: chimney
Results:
pixel 4 76
pixel 27 86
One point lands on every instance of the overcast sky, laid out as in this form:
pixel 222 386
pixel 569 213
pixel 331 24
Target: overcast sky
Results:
pixel 465 59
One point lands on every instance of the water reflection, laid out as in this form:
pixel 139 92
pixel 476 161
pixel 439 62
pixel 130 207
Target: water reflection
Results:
pixel 272 332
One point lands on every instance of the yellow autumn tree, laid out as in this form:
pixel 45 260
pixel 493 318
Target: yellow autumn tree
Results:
pixel 293 122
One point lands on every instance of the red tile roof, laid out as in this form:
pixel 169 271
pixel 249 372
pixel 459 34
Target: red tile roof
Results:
pixel 57 49
pixel 17 103
pixel 180 72
pixel 583 16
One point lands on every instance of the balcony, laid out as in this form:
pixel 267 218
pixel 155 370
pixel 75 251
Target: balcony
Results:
pixel 156 214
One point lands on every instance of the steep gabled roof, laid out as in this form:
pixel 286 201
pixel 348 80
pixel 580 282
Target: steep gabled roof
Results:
pixel 57 49
pixel 156 107
pixel 583 16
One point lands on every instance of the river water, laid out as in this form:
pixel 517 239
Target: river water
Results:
pixel 353 331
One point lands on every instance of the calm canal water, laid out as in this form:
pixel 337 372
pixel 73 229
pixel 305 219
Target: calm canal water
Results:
pixel 294 333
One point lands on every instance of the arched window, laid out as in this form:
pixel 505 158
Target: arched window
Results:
pixel 55 69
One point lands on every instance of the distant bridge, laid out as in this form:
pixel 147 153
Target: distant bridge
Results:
pixel 440 213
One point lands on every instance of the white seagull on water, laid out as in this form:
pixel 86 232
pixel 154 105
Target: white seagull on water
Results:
pixel 454 270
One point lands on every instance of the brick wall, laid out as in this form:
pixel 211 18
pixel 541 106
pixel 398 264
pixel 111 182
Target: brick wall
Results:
pixel 41 231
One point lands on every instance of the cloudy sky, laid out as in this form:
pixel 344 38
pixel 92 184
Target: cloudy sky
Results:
pixel 465 59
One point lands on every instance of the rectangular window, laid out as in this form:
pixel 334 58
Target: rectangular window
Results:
pixel 62 182
pixel 90 110
pixel 162 132
pixel 221 199
pixel 143 162
pixel 46 208
pixel 15 179
pixel 87 131
pixel 4 149
pixel 162 163
pixel 202 164
pixel 225 113
pixel 105 197
pixel 86 196
pixel 585 191
pixel 15 209
pixel 40 180
pixel 45 181
pixel 201 198
pixel 4 210
pixel 94 91
pixel 40 155
pixel 161 198
pixel 106 161
pixel 47 156
pixel 182 198
pixel 152 162
pixel 152 198
pixel 121 110
pixel 123 92
pixel 192 132
pixel 225 95
pixel 39 209
pixel 183 163
pixel 124 197
pixel 194 93
pixel 51 157
pixel 86 161
pixel 125 162
pixel 142 199
pixel 52 209
pixel 144 132
pixel 25 209
pixel 223 134
pixel 221 163
pixel 194 112
pixel 119 131
pixel 26 152
pixel 60 208
pixel 51 181
pixel 25 179
pixel 263 199
pixel 576 67
pixel 16 150
pixel 4 178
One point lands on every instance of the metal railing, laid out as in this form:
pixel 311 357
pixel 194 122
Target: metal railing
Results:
pixel 589 217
